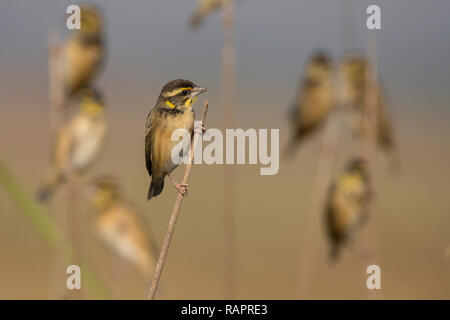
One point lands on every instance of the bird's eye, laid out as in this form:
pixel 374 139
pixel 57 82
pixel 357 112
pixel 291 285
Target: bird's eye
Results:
pixel 184 92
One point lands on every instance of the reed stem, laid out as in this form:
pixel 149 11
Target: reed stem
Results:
pixel 322 181
pixel 370 119
pixel 175 214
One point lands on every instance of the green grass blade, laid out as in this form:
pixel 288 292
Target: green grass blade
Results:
pixel 40 219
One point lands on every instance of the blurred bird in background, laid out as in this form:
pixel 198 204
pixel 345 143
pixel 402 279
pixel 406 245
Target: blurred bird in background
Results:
pixel 204 9
pixel 173 110
pixel 315 99
pixel 84 51
pixel 353 74
pixel 346 208
pixel 120 226
pixel 77 143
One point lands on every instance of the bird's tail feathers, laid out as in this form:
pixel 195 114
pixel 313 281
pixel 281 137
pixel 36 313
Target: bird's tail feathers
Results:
pixel 49 185
pixel 156 187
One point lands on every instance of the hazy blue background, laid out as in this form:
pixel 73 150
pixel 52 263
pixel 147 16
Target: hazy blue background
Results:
pixel 149 45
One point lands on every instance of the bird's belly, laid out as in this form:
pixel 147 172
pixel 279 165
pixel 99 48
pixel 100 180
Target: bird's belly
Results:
pixel 80 64
pixel 84 155
pixel 123 244
pixel 345 214
pixel 89 142
pixel 164 145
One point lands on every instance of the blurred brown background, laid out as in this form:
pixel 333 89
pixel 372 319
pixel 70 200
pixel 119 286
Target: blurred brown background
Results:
pixel 149 45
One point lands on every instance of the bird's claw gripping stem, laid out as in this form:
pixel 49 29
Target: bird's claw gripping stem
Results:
pixel 200 129
pixel 181 187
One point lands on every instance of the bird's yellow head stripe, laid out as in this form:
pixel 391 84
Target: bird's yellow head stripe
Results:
pixel 169 104
pixel 103 198
pixel 351 182
pixel 92 108
pixel 190 102
pixel 176 91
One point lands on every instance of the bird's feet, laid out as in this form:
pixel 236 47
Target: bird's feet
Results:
pixel 181 187
pixel 200 130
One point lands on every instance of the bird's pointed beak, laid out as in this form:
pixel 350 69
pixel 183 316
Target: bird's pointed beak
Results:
pixel 198 90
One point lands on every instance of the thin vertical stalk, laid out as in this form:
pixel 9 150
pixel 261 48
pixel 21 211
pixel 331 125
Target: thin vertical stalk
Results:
pixel 371 105
pixel 371 102
pixel 327 158
pixel 228 92
pixel 74 228
pixel 56 100
pixel 347 23
pixel 175 213
pixel 56 83
pixel 322 181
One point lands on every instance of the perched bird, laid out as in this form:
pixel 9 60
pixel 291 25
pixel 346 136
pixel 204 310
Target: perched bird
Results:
pixel 315 99
pixel 346 208
pixel 84 51
pixel 353 75
pixel 203 9
pixel 120 226
pixel 77 143
pixel 173 110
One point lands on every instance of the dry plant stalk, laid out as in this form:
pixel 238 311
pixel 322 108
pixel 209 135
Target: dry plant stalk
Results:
pixel 175 213
pixel 371 105
pixel 347 23
pixel 70 223
pixel 322 181
pixel 228 86
pixel 327 157
pixel 74 227
pixel 56 83
pixel 56 100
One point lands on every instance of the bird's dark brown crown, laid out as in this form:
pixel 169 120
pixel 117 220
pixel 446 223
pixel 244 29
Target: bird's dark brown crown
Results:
pixel 176 84
pixel 321 58
pixel 91 20
pixel 359 166
pixel 106 191
pixel 91 101
pixel 176 94
pixel 93 94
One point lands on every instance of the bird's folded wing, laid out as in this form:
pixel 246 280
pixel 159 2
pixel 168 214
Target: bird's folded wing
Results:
pixel 148 142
